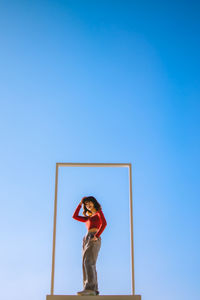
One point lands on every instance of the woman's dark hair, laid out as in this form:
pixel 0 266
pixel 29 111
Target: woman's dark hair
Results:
pixel 97 206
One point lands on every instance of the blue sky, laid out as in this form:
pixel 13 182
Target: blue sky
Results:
pixel 111 82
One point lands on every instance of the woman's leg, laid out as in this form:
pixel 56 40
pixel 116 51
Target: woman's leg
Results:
pixel 90 255
pixel 83 265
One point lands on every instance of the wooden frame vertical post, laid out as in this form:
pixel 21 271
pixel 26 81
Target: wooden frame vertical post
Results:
pixel 54 231
pixel 131 218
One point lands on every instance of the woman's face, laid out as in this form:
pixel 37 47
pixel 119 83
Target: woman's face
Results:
pixel 89 205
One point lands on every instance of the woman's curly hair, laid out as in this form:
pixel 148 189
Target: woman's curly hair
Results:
pixel 97 206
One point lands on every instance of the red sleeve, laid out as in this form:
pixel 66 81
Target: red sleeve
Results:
pixel 103 224
pixel 77 217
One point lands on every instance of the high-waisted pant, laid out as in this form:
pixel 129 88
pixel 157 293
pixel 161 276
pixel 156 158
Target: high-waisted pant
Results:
pixel 90 250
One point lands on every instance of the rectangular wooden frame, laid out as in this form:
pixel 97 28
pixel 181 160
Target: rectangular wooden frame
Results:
pixel 126 165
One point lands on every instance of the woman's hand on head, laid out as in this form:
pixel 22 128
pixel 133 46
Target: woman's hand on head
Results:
pixel 82 200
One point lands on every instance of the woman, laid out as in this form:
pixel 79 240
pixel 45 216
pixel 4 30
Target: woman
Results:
pixel 95 223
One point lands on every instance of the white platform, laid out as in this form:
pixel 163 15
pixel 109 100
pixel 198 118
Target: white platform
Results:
pixel 100 297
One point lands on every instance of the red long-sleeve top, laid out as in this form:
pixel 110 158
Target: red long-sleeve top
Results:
pixel 97 220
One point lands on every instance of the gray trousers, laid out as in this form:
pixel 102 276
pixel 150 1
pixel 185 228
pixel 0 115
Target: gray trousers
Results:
pixel 90 250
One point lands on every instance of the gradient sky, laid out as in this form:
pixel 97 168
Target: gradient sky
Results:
pixel 106 82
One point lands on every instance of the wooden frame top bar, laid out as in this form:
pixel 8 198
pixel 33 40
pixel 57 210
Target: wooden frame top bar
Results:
pixel 60 164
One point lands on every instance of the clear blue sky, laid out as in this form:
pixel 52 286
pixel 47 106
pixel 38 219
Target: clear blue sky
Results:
pixel 100 81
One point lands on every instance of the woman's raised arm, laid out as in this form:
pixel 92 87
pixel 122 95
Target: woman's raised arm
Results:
pixel 76 216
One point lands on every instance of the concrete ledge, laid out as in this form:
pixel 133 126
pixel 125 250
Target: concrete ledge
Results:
pixel 100 297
